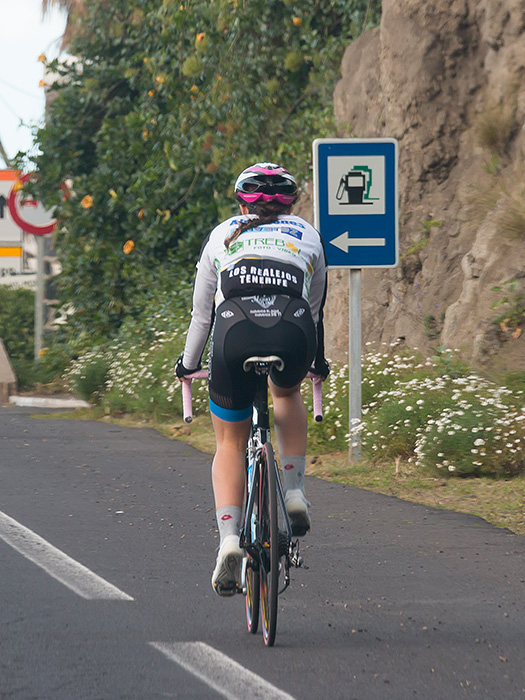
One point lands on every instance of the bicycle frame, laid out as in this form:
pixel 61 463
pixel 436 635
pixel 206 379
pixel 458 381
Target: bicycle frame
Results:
pixel 260 435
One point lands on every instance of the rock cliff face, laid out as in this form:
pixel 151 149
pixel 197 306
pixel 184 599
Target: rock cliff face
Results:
pixel 447 79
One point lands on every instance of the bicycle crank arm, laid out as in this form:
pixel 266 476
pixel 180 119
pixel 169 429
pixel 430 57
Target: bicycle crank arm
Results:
pixel 243 574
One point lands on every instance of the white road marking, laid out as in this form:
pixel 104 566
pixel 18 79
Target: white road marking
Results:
pixel 219 672
pixel 60 566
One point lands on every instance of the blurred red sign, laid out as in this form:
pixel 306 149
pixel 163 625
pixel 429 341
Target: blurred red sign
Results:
pixel 28 213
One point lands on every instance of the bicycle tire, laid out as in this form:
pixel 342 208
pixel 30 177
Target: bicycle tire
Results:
pixel 253 594
pixel 269 565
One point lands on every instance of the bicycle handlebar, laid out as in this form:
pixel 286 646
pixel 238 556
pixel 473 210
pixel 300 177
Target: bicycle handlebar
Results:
pixel 187 407
pixel 317 382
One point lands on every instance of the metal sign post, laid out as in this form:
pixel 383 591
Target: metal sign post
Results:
pixel 39 297
pixel 356 212
pixel 354 363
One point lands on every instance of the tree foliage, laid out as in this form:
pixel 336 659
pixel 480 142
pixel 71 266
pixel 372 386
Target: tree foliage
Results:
pixel 166 103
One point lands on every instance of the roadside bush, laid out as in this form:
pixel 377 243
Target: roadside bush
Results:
pixel 515 381
pixel 53 361
pixel 393 421
pixel 382 371
pixel 462 425
pixel 135 377
pixel 17 318
pixel 439 415
pixel 481 433
pixel 142 379
pixel 89 375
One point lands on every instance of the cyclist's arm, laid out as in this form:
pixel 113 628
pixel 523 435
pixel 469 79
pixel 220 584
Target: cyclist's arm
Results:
pixel 318 288
pixel 202 312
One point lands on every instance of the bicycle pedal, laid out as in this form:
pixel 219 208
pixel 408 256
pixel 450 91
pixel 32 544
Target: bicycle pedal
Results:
pixel 227 591
pixel 295 555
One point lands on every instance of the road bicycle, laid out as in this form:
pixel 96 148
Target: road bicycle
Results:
pixel 270 548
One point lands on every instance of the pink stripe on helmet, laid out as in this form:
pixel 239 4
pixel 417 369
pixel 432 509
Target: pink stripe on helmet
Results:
pixel 282 198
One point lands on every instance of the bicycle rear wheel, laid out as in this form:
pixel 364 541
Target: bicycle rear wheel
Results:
pixel 269 534
pixel 253 595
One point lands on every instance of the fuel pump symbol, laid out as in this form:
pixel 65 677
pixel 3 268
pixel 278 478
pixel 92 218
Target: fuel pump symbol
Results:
pixel 354 187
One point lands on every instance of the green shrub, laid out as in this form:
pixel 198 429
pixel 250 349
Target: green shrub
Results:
pixel 142 379
pixel 382 371
pixel 511 303
pixel 478 434
pixel 515 382
pixel 442 416
pixel 133 375
pixel 24 370
pixel 17 319
pixel 53 361
pixel 392 424
pixel 89 376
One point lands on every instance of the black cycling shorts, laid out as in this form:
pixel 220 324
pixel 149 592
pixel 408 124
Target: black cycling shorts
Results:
pixel 257 325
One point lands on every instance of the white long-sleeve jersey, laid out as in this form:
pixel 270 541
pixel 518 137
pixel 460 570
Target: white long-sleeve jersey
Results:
pixel 283 257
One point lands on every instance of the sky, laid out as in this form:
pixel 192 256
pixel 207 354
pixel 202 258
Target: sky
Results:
pixel 24 35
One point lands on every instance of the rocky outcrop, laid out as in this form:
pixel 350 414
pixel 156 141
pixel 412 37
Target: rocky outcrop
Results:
pixel 8 383
pixel 447 79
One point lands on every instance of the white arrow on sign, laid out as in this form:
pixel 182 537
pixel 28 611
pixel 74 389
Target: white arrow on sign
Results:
pixel 343 242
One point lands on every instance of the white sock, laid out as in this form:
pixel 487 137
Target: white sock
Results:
pixel 293 471
pixel 229 521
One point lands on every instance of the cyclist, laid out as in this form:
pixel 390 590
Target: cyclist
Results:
pixel 261 284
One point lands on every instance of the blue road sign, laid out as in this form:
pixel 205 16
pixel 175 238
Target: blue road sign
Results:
pixel 355 183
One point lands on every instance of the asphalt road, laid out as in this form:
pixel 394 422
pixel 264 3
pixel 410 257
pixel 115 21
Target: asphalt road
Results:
pixel 398 601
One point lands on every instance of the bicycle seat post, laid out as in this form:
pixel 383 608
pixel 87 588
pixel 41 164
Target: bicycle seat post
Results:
pixel 261 399
pixel 262 366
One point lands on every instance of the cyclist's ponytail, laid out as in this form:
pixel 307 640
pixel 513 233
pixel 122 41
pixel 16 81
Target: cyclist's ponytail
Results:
pixel 265 213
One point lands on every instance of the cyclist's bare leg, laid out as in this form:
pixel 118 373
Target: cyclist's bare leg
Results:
pixel 290 418
pixel 228 471
pixel 291 426
pixel 228 475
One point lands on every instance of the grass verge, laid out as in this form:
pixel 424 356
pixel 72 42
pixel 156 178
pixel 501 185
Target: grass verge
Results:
pixel 500 502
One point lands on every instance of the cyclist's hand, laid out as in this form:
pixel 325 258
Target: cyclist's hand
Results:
pixel 321 367
pixel 182 371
